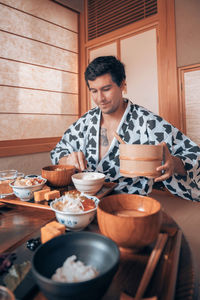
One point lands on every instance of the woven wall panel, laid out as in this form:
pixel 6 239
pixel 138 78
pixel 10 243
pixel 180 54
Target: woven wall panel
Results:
pixel 105 16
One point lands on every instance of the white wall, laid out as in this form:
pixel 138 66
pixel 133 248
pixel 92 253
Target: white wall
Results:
pixel 28 164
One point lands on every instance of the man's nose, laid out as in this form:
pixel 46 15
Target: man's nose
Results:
pixel 100 96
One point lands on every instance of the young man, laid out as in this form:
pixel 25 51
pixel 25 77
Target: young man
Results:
pixel 89 143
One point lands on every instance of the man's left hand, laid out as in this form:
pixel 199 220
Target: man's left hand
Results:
pixel 172 164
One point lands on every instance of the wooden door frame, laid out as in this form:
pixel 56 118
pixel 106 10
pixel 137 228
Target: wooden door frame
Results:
pixel 169 105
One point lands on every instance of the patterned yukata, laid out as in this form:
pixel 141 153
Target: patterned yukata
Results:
pixel 137 126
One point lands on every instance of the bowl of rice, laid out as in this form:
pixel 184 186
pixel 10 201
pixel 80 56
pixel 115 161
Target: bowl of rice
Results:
pixel 88 182
pixel 77 265
pixel 75 210
pixel 24 188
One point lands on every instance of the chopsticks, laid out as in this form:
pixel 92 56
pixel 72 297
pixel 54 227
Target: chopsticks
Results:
pixel 118 138
pixel 151 265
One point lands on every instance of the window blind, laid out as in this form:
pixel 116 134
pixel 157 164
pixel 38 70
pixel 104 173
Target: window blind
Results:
pixel 105 16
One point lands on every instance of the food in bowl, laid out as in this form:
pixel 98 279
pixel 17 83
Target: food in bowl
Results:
pixel 5 189
pixel 58 169
pixel 74 270
pixel 88 182
pixel 25 188
pixel 132 221
pixel 92 249
pixel 6 177
pixel 28 181
pixel 74 201
pixel 75 210
pixel 91 175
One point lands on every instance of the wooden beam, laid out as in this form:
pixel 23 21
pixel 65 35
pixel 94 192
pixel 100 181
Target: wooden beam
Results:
pixel 27 146
pixel 167 67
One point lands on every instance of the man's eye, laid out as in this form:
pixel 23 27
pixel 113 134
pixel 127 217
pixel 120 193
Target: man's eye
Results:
pixel 106 89
pixel 93 91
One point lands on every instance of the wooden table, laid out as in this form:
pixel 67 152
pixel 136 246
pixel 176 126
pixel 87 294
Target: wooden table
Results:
pixel 18 224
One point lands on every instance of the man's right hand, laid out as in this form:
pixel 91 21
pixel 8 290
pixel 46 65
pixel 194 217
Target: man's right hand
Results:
pixel 76 159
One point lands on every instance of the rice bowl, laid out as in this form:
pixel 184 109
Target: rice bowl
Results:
pixel 74 219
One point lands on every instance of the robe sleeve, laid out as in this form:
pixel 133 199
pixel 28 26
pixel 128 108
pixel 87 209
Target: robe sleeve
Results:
pixel 179 145
pixel 72 141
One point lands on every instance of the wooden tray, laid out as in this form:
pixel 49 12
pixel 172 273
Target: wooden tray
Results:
pixel 105 190
pixel 132 266
pixel 167 282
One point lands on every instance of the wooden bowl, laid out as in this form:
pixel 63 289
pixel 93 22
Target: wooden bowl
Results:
pixel 59 175
pixel 140 160
pixel 132 221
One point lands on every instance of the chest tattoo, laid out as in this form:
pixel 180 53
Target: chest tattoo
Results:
pixel 103 137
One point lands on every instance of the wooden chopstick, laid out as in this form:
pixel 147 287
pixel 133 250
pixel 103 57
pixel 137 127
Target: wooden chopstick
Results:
pixel 151 265
pixel 118 138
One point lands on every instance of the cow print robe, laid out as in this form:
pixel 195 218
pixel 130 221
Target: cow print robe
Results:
pixel 138 126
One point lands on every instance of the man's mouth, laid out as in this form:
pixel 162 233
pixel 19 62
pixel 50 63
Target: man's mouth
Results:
pixel 104 104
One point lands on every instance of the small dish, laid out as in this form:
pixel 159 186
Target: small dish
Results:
pixel 26 192
pixel 74 221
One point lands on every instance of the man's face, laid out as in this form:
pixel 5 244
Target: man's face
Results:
pixel 106 94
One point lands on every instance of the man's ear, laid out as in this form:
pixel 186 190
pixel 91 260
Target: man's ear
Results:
pixel 124 87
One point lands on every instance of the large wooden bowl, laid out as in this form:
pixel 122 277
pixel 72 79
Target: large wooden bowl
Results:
pixel 140 160
pixel 132 221
pixel 59 175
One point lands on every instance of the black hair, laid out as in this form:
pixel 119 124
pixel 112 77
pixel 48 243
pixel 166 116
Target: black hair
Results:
pixel 104 65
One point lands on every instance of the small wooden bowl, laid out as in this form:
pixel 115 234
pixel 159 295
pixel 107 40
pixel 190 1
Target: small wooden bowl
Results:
pixel 140 160
pixel 59 175
pixel 132 221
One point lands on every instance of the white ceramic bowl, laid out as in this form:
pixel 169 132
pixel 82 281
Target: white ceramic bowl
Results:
pixel 25 193
pixel 75 221
pixel 88 182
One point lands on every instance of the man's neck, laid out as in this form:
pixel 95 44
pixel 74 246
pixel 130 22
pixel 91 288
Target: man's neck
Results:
pixel 115 116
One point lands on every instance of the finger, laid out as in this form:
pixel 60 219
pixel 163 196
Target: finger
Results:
pixel 164 177
pixel 85 163
pixel 73 160
pixel 161 168
pixel 81 160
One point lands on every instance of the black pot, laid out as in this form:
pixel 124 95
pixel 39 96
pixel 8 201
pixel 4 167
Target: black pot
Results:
pixel 90 248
